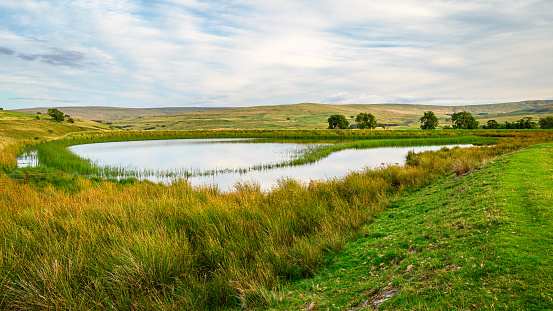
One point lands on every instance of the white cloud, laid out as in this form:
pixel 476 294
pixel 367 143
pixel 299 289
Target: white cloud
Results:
pixel 244 52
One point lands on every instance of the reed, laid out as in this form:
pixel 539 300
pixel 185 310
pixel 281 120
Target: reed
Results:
pixel 314 154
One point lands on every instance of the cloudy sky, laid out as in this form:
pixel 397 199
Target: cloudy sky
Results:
pixel 133 53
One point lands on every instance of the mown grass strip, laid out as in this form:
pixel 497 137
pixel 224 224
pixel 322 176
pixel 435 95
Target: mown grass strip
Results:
pixel 483 241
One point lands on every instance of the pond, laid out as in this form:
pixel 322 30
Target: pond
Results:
pixel 226 162
pixel 28 159
pixel 193 155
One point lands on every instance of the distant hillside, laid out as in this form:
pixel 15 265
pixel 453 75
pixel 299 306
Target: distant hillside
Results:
pixel 534 112
pixel 314 116
pixel 115 113
pixel 298 116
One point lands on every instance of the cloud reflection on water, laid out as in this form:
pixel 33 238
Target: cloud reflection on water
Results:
pixel 204 155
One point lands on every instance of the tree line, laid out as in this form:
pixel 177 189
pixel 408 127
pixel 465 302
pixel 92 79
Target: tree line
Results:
pixel 429 121
pixel 363 121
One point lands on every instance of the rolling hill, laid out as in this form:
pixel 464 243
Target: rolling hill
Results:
pixel 115 113
pixel 297 116
pixel 314 116
pixel 16 126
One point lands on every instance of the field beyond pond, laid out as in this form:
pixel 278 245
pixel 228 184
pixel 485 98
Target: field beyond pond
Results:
pixel 307 116
pixel 71 242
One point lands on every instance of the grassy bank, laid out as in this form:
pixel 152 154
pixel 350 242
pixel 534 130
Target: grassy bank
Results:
pixel 483 241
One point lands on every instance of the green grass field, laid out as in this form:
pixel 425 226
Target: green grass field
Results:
pixel 482 241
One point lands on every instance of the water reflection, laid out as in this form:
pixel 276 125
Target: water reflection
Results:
pixel 220 154
pixel 27 159
pixel 191 154
pixel 336 165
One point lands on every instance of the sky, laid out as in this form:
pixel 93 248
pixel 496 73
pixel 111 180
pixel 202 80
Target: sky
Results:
pixel 239 53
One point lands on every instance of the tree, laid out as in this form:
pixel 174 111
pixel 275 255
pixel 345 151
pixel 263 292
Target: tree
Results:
pixel 337 121
pixel 526 123
pixel 492 124
pixel 463 120
pixel 429 121
pixel 56 114
pixel 546 122
pixel 365 121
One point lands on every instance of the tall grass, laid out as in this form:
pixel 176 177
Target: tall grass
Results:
pixel 7 161
pixel 77 243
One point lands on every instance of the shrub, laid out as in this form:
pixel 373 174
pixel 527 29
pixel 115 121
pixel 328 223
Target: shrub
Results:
pixel 56 114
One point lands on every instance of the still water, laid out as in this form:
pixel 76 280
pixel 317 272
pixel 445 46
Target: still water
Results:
pixel 190 154
pixel 237 156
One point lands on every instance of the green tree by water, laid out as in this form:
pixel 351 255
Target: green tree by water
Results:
pixel 337 121
pixel 464 120
pixel 546 122
pixel 429 121
pixel 526 123
pixel 491 125
pixel 365 121
pixel 57 115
